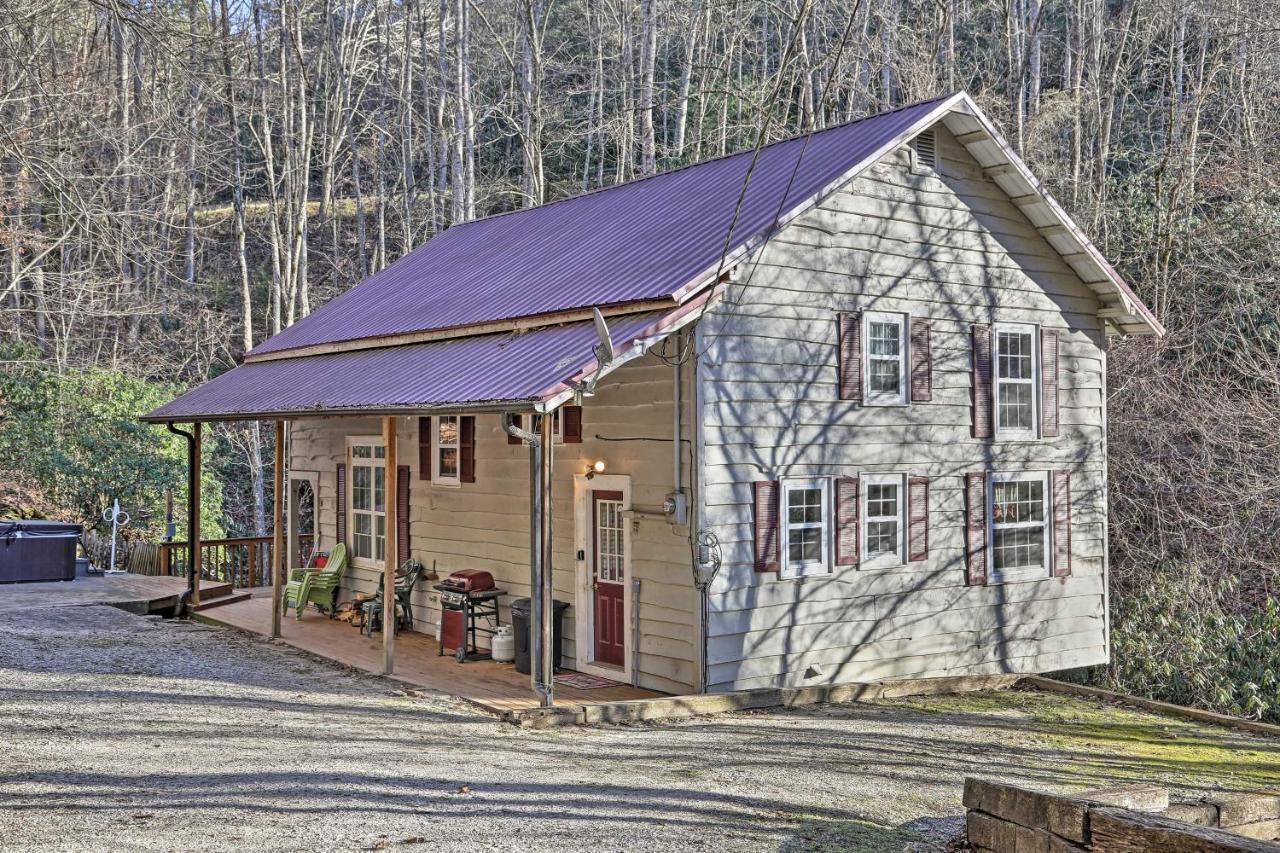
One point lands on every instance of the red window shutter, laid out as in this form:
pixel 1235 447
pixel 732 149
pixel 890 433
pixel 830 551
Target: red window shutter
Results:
pixel 467 449
pixel 975 494
pixel 918 519
pixel 424 448
pixel 571 424
pixel 519 422
pixel 403 478
pixel 921 361
pixel 341 497
pixel 982 407
pixel 766 525
pixel 1061 524
pixel 849 357
pixel 1049 382
pixel 847 521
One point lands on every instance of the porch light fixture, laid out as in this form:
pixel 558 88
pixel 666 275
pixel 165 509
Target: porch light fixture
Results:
pixel 597 467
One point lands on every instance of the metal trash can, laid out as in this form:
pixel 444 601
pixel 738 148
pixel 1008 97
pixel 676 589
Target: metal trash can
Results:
pixel 520 611
pixel 33 550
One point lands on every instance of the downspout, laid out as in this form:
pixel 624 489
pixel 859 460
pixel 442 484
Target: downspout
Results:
pixel 538 641
pixel 185 600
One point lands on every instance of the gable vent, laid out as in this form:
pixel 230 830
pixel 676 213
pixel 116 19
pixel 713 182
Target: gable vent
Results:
pixel 926 148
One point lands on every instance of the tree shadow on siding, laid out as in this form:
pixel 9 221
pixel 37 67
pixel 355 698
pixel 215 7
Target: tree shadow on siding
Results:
pixel 957 259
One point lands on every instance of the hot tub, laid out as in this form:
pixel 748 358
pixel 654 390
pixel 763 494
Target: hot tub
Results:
pixel 37 551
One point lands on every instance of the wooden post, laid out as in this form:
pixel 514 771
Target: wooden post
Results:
pixel 193 536
pixel 391 557
pixel 277 539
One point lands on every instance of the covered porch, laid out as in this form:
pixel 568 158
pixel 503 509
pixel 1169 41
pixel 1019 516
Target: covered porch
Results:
pixel 494 687
pixel 388 441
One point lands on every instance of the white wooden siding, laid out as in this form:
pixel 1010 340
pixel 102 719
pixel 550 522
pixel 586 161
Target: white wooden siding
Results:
pixel 485 524
pixel 954 249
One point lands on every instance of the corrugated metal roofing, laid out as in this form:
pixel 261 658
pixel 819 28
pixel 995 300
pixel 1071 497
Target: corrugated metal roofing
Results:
pixel 641 240
pixel 509 367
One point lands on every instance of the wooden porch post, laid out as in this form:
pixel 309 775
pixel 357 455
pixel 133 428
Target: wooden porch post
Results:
pixel 391 557
pixel 195 557
pixel 277 539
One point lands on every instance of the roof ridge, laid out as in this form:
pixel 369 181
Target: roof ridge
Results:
pixel 686 166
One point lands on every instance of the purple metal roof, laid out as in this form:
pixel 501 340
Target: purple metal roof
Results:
pixel 636 241
pixel 508 367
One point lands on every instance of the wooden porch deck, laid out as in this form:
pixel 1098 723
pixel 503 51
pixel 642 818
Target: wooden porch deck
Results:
pixel 495 687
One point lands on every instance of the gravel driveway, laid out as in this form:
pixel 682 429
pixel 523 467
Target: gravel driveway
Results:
pixel 124 733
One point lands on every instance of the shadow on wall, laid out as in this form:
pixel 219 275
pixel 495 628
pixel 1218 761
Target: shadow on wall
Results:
pixel 959 259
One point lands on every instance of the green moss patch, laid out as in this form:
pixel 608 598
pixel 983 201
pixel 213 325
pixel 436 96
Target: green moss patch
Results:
pixel 1081 742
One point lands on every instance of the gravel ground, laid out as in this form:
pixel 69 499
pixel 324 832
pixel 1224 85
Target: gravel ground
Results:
pixel 124 733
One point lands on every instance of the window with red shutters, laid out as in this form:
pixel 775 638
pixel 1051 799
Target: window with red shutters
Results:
pixel 424 448
pixel 766 525
pixel 917 519
pixel 981 382
pixel 571 424
pixel 467 448
pixel 975 493
pixel 847 530
pixel 849 357
pixel 403 479
pixel 921 361
pixel 341 497
pixel 1049 382
pixel 1061 524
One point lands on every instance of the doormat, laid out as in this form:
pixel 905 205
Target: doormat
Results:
pixel 584 681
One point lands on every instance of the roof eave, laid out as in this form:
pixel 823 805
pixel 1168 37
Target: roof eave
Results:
pixel 521 404
pixel 1123 311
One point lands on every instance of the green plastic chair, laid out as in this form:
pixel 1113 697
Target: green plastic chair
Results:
pixel 308 586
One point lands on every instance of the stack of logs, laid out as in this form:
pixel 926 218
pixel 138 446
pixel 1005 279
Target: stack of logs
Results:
pixel 1007 819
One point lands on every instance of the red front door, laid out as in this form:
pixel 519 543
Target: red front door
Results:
pixel 609 577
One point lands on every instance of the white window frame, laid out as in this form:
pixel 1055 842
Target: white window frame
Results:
pixel 557 426
pixel 1034 382
pixel 884 398
pixel 437 478
pixel 375 461
pixel 881 561
pixel 1045 568
pixel 787 569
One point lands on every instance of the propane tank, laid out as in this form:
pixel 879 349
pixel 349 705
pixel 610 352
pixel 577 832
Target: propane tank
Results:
pixel 504 645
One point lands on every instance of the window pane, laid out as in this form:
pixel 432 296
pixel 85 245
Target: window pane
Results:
pixel 804 506
pixel 1014 355
pixel 1017 406
pixel 380 537
pixel 448 431
pixel 379 489
pixel 882 500
pixel 361 493
pixel 884 375
pixel 1018 548
pixel 883 339
pixel 361 451
pixel 1019 501
pixel 882 538
pixel 805 545
pixel 379 453
pixel 362 541
pixel 448 462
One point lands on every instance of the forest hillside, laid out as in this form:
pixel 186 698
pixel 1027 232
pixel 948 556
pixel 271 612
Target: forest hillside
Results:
pixel 183 178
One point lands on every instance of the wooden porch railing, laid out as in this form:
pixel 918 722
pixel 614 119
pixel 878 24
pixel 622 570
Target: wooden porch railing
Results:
pixel 243 562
